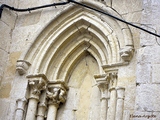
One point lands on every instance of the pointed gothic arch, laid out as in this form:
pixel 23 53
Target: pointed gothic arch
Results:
pixel 67 39
pixel 74 31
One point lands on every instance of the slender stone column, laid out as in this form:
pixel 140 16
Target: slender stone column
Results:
pixel 41 111
pixel 52 111
pixel 42 107
pixel 102 84
pixel 112 108
pixel 120 103
pixel 113 95
pixel 36 84
pixel 20 111
pixel 56 94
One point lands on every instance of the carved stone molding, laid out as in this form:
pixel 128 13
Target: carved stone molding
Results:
pixel 126 53
pixel 22 66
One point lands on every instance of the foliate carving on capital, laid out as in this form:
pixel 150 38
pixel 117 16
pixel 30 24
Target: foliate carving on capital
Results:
pixel 37 83
pixel 126 53
pixel 56 92
pixel 37 86
pixel 112 77
pixel 56 95
pixel 22 66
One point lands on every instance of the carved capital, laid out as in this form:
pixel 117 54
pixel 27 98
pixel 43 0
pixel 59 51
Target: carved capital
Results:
pixel 22 66
pixel 126 53
pixel 102 84
pixel 57 92
pixel 113 77
pixel 37 83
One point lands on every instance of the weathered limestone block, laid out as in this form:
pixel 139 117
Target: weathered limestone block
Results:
pixel 122 6
pixel 67 114
pixel 150 21
pixel 149 54
pixel 4 105
pixel 155 73
pixel 147 39
pixel 148 97
pixel 9 17
pixel 130 94
pixel 144 73
pixel 3 62
pixel 5 90
pixel 5 37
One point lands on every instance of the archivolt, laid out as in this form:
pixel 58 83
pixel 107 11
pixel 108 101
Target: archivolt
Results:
pixel 71 36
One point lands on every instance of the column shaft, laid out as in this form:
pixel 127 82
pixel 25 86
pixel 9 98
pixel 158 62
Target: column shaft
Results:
pixel 119 109
pixel 20 109
pixel 120 103
pixel 19 115
pixel 102 84
pixel 52 112
pixel 112 108
pixel 41 112
pixel 32 109
pixel 104 106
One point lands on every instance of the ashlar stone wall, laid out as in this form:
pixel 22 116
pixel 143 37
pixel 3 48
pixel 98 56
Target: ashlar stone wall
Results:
pixel 75 57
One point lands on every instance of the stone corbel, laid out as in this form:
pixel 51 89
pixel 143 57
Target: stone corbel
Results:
pixel 22 66
pixel 126 53
pixel 56 94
